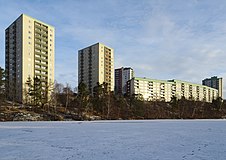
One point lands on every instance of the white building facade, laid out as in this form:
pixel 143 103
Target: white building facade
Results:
pixel 152 89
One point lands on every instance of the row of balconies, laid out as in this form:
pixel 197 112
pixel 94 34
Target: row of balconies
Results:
pixel 43 43
pixel 42 32
pixel 43 38
pixel 45 46
pixel 108 66
pixel 108 80
pixel 41 59
pixel 44 51
pixel 41 63
pixel 41 48
pixel 41 74
pixel 41 77
pixel 41 69
pixel 44 54
pixel 40 26
pixel 149 88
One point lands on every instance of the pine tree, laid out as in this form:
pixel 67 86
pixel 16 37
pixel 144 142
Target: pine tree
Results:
pixel 37 92
pixel 28 91
pixel 83 98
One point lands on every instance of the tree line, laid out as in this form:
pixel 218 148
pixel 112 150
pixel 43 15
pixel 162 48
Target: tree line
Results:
pixel 104 104
pixel 107 105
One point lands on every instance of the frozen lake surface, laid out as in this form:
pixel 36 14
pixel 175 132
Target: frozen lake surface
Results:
pixel 114 140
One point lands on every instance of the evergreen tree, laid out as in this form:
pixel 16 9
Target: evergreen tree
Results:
pixel 38 92
pixel 101 99
pixel 28 91
pixel 83 98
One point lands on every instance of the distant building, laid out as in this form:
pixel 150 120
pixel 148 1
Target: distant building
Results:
pixel 152 89
pixel 122 75
pixel 216 83
pixel 29 52
pixel 96 65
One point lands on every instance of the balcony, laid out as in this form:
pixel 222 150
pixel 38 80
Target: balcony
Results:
pixel 45 49
pixel 44 44
pixel 41 59
pixel 38 36
pixel 41 74
pixel 42 54
pixel 41 69
pixel 38 31
pixel 45 80
pixel 41 48
pixel 38 42
pixel 41 27
pixel 45 39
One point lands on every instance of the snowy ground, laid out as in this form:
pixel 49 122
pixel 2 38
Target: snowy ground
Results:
pixel 114 140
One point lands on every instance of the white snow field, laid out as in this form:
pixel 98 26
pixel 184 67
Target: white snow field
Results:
pixel 114 140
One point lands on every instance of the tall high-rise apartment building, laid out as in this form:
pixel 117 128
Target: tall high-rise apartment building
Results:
pixel 122 75
pixel 29 52
pixel 216 83
pixel 96 65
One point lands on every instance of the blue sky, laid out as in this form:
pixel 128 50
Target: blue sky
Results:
pixel 165 39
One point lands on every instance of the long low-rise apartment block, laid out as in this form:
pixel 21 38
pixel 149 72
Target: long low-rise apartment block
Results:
pixel 152 89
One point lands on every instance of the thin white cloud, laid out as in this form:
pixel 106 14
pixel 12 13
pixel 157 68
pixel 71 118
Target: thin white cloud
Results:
pixel 159 39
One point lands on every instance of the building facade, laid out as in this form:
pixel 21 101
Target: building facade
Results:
pixel 151 89
pixel 96 65
pixel 29 52
pixel 122 75
pixel 216 83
